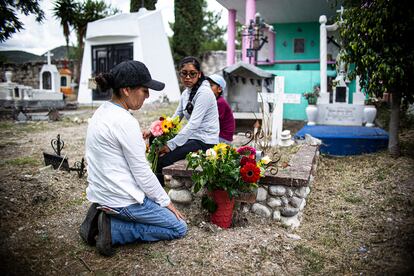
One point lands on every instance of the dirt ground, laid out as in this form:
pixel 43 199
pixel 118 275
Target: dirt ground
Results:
pixel 359 217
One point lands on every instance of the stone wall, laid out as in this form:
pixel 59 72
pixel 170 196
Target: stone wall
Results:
pixel 281 197
pixel 214 61
pixel 27 73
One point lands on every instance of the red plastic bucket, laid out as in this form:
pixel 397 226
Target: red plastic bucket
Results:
pixel 224 213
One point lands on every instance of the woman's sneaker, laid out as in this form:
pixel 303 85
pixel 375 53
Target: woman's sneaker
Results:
pixel 104 241
pixel 89 227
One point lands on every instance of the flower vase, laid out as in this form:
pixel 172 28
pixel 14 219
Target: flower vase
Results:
pixel 312 113
pixel 369 115
pixel 223 215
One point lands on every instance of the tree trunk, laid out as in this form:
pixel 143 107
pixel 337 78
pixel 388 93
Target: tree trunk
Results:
pixel 393 142
pixel 80 55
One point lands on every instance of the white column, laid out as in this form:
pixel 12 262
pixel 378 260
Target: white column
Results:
pixel 324 96
pixel 277 122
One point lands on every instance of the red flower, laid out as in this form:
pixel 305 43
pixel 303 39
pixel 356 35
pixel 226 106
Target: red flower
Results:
pixel 247 150
pixel 250 173
pixel 244 160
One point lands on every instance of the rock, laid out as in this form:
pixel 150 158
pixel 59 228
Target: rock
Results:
pixel 276 215
pixel 310 140
pixel 261 210
pixel 274 202
pixel 291 222
pixel 293 236
pixel 277 190
pixel 285 201
pixel 302 192
pixel 261 194
pixel 289 211
pixel 302 205
pixel 180 196
pixel 174 183
pixel 296 201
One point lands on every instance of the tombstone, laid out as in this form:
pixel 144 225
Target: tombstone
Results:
pixel 21 117
pixel 250 94
pixel 244 82
pixel 49 76
pixel 14 95
pixel 338 111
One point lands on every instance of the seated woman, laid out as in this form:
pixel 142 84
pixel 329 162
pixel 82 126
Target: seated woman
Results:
pixel 227 122
pixel 119 176
pixel 198 105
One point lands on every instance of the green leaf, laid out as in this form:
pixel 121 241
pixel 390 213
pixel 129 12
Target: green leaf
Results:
pixel 208 203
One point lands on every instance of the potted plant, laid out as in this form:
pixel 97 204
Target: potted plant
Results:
pixel 225 172
pixel 312 96
pixel 311 109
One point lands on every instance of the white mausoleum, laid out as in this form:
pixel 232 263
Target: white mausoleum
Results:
pixel 139 36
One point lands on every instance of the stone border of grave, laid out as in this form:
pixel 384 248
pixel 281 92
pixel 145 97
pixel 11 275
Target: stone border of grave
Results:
pixel 281 197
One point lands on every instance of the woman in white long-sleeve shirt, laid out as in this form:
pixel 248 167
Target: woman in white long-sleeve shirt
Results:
pixel 119 175
pixel 198 105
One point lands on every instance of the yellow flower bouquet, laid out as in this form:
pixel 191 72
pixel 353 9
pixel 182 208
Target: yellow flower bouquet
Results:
pixel 164 129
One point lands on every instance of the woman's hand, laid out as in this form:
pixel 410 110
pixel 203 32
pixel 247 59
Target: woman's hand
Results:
pixel 165 149
pixel 177 213
pixel 146 134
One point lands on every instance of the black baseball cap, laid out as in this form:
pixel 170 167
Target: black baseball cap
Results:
pixel 133 73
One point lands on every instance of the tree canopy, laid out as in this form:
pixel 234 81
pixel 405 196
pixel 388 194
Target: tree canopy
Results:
pixel 377 39
pixel 77 15
pixel 196 29
pixel 9 21
pixel 64 10
pixel 212 38
pixel 187 28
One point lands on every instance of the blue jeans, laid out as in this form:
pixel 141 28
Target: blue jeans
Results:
pixel 145 222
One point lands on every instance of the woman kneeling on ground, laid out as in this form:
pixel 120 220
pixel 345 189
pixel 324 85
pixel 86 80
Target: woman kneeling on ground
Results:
pixel 134 205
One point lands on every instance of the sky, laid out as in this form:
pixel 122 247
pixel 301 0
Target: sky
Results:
pixel 39 38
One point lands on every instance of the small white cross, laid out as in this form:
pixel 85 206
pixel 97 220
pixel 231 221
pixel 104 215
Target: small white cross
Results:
pixel 49 54
pixel 341 11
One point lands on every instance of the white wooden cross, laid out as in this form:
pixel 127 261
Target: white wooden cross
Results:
pixel 277 98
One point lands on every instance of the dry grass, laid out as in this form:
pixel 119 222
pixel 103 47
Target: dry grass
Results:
pixel 358 219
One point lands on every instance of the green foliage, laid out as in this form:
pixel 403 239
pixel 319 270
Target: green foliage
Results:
pixel 376 37
pixel 220 168
pixel 314 260
pixel 187 28
pixel 77 15
pixel 64 10
pixel 208 204
pixel 312 97
pixel 135 5
pixel 10 23
pixel 212 39
pixel 239 37
pixel 21 161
